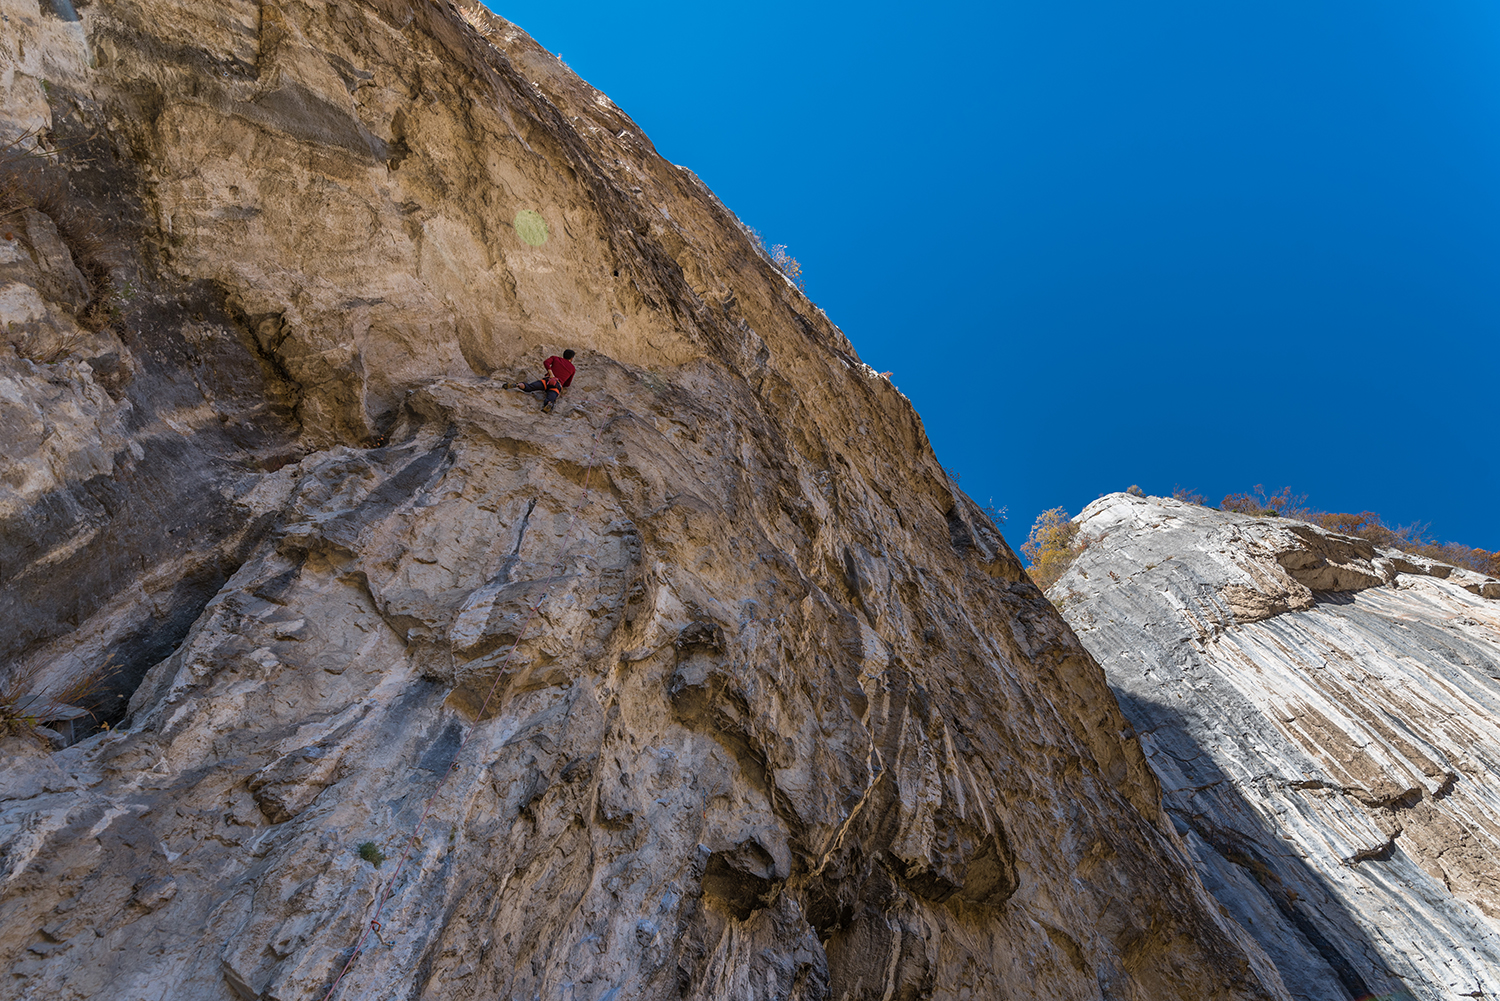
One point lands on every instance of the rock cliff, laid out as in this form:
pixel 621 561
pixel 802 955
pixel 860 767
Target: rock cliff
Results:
pixel 709 684
pixel 1325 718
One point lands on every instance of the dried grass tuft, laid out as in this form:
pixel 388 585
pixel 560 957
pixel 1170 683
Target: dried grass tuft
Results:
pixel 24 707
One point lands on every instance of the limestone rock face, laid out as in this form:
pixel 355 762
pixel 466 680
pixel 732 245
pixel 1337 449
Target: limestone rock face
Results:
pixel 1325 719
pixel 709 684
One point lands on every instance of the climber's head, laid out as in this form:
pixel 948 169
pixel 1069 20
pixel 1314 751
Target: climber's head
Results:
pixel 568 354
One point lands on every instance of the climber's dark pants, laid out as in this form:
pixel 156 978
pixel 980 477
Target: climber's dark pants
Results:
pixel 538 386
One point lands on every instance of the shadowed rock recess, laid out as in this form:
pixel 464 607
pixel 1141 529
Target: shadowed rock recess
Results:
pixel 790 721
pixel 1325 719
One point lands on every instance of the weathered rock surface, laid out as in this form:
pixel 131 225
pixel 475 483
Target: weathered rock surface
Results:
pixel 784 718
pixel 1325 719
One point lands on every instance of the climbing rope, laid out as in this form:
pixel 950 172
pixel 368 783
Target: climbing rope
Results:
pixel 373 926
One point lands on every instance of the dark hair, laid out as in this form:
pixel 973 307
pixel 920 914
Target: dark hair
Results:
pixel 568 354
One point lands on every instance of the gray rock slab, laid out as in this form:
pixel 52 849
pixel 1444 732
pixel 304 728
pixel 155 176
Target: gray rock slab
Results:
pixel 1325 719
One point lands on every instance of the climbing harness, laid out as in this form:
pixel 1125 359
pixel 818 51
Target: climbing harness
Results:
pixel 374 926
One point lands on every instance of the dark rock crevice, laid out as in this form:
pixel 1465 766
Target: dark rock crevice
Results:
pixel 1245 854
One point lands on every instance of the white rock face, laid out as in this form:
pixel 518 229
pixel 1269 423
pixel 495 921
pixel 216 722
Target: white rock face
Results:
pixel 1325 719
pixel 784 718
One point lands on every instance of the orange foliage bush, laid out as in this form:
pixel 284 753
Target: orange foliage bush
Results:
pixel 1410 538
pixel 787 264
pixel 1365 525
pixel 1052 547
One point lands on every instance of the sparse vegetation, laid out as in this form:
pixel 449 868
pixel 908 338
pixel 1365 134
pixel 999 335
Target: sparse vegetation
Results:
pixel 1055 542
pixel 25 707
pixel 16 158
pixel 1408 538
pixel 1263 504
pixel 1052 546
pixel 1413 538
pixel 371 853
pixel 1189 496
pixel 20 715
pixel 788 264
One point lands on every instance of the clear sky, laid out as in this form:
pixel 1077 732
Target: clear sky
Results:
pixel 1101 244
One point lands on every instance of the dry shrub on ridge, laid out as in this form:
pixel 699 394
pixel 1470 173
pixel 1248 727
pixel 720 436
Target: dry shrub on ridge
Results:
pixel 1365 525
pixel 1260 503
pixel 1407 538
pixel 1189 496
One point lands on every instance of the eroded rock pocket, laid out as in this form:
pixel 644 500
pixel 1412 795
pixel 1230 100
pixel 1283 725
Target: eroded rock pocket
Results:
pixel 741 880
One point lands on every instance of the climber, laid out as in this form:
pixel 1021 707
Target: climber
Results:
pixel 560 372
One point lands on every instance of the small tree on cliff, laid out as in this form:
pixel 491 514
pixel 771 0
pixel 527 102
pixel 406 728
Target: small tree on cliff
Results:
pixel 788 264
pixel 1051 547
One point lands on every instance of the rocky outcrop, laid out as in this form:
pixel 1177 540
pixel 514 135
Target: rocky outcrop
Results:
pixel 710 684
pixel 1323 715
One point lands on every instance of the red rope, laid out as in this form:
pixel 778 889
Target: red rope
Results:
pixel 373 927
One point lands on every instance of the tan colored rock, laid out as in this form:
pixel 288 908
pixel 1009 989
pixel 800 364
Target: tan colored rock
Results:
pixel 775 711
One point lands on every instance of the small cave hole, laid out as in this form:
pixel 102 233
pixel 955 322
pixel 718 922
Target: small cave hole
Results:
pixel 61 9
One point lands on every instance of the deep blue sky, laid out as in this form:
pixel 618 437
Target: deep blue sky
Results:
pixel 1160 243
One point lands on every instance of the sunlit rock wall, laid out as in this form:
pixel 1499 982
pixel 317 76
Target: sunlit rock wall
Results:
pixel 735 694
pixel 1325 719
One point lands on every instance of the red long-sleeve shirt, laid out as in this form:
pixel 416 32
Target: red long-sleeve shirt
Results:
pixel 562 370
